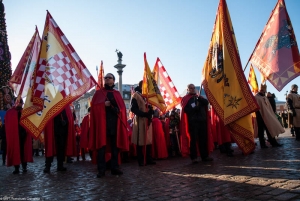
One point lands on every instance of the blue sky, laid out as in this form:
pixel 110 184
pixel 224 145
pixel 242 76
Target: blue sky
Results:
pixel 176 31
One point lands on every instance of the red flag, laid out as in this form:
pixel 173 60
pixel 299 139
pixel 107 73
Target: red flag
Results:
pixel 166 85
pixel 20 80
pixel 276 54
pixel 100 77
pixel 59 79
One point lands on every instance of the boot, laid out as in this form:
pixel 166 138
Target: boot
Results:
pixel 24 167
pixel 17 169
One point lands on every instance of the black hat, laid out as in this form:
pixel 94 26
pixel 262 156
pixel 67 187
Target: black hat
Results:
pixel 294 86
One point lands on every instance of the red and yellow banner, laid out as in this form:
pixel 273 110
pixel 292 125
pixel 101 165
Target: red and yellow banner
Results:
pixel 225 84
pixel 150 89
pixel 276 54
pixel 59 79
pixel 100 77
pixel 166 85
pixel 252 80
pixel 22 76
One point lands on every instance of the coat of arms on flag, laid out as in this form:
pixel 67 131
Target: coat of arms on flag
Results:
pixel 60 78
pixel 225 84
pixel 276 54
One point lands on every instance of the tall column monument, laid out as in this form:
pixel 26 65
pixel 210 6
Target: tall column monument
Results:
pixel 120 67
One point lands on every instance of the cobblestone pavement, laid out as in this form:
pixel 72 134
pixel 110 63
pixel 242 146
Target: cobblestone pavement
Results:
pixel 268 174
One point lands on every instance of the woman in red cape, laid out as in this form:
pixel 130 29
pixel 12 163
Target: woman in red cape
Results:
pixel 159 148
pixel 17 155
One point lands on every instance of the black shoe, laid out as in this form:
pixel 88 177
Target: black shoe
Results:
pixel 46 170
pixel 16 171
pixel 69 161
pixel 277 145
pixel 264 147
pixel 141 164
pixel 207 159
pixel 229 154
pixel 194 161
pixel 116 172
pixel 151 163
pixel 62 169
pixel 24 170
pixel 100 174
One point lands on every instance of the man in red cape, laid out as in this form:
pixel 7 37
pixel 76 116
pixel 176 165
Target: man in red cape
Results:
pixel 19 143
pixel 108 131
pixel 59 139
pixel 193 126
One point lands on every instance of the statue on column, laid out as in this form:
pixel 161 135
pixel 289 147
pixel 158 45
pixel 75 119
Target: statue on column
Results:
pixel 120 55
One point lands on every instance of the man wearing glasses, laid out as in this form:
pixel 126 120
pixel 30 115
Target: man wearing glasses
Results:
pixel 195 118
pixel 108 126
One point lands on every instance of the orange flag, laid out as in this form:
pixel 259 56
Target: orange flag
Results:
pixel 225 84
pixel 252 80
pixel 150 89
pixel 276 54
pixel 60 77
pixel 166 85
pixel 100 77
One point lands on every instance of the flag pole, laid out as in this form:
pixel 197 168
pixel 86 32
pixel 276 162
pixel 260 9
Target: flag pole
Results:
pixel 259 38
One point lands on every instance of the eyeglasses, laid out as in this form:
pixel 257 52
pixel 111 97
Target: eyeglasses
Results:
pixel 108 78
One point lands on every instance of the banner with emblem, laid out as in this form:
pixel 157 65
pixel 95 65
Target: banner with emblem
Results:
pixel 225 84
pixel 22 76
pixel 150 89
pixel 276 54
pixel 252 80
pixel 166 85
pixel 60 78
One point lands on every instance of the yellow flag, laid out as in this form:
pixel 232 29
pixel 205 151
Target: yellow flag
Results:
pixel 225 83
pixel 252 80
pixel 150 89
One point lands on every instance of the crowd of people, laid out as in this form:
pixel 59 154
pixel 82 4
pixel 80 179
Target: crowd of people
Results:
pixel 110 137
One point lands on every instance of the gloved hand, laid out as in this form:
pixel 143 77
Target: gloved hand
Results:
pixel 294 113
pixel 116 110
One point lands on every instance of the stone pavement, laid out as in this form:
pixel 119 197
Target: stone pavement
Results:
pixel 268 174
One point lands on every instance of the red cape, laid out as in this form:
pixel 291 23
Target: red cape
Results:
pixel 159 148
pixel 167 133
pixel 220 132
pixel 85 127
pixel 50 149
pixel 184 132
pixel 12 139
pixel 97 138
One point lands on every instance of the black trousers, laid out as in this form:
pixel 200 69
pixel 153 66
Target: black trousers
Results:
pixel 261 131
pixel 22 139
pixel 60 142
pixel 198 133
pixel 140 155
pixel 101 163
